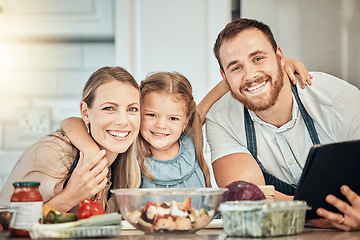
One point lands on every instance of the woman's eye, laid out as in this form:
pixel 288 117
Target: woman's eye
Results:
pixel 108 108
pixel 133 109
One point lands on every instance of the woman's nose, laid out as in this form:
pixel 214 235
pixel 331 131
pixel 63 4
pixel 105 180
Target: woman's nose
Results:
pixel 121 118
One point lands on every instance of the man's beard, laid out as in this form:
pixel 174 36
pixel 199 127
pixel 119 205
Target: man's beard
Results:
pixel 255 104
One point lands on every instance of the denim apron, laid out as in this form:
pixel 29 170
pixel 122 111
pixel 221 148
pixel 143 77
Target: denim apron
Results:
pixel 281 186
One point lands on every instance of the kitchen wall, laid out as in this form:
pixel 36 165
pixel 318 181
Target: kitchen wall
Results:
pixel 50 48
pixel 47 54
pixel 324 34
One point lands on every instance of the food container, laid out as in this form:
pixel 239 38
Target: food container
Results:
pixel 267 218
pixel 170 209
pixel 6 214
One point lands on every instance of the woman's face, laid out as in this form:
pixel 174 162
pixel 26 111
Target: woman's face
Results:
pixel 114 116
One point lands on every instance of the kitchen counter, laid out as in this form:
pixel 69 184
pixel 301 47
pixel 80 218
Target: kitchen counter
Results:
pixel 218 234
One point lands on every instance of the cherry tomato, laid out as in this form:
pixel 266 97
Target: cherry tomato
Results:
pixel 88 208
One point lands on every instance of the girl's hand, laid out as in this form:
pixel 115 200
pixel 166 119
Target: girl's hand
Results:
pixel 88 178
pixel 292 66
pixel 350 217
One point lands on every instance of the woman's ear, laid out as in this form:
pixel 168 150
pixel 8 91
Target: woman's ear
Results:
pixel 84 110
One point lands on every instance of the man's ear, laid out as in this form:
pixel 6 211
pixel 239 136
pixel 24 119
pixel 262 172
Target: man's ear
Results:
pixel 84 110
pixel 280 55
pixel 224 77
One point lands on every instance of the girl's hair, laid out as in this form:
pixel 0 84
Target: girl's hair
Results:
pixel 174 84
pixel 126 168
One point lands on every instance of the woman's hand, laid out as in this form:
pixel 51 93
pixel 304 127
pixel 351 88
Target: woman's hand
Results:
pixel 88 179
pixel 350 217
pixel 292 66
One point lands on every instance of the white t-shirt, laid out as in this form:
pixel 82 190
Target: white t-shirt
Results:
pixel 331 102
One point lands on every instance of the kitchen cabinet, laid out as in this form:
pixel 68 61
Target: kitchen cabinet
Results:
pixel 56 19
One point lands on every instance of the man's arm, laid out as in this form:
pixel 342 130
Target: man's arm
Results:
pixel 240 166
pixel 237 166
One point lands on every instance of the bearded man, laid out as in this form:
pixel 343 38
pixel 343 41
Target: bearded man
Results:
pixel 262 131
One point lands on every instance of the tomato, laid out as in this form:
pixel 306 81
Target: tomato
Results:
pixel 88 208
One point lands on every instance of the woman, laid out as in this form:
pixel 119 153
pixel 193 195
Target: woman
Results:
pixel 110 108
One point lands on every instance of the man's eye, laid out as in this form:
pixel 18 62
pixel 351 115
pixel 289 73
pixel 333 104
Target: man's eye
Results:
pixel 236 68
pixel 257 59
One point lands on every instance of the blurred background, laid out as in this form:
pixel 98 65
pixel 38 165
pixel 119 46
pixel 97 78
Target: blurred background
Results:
pixel 49 48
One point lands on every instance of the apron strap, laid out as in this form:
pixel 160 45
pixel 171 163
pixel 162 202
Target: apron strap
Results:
pixel 281 186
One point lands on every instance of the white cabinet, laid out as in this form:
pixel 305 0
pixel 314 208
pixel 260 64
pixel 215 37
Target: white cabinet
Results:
pixel 53 19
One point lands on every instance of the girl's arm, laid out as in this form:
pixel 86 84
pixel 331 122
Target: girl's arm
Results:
pixel 215 94
pixel 292 66
pixel 76 131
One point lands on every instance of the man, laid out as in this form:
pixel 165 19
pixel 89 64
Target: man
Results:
pixel 262 131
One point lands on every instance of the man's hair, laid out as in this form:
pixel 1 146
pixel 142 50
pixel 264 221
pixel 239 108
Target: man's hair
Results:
pixel 233 28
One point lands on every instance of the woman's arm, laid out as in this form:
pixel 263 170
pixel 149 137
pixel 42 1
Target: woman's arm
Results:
pixel 88 178
pixel 292 66
pixel 76 131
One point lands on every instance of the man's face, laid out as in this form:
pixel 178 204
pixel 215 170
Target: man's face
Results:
pixel 252 69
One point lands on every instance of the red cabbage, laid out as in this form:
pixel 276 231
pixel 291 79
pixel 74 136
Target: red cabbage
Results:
pixel 241 190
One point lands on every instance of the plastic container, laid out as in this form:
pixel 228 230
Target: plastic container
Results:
pixel 27 201
pixel 267 218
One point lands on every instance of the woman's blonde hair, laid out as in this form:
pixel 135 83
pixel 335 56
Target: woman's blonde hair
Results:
pixel 126 167
pixel 174 84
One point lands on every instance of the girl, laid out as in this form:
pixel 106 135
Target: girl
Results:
pixel 110 107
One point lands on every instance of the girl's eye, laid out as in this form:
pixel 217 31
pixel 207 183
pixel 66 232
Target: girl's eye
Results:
pixel 150 114
pixel 174 118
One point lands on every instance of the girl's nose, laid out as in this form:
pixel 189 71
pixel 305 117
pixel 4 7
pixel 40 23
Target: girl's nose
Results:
pixel 160 123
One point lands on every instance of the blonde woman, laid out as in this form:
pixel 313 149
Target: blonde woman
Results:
pixel 110 108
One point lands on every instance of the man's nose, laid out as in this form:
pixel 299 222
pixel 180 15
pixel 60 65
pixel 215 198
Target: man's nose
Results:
pixel 251 72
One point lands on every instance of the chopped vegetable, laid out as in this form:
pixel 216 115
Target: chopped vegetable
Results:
pixel 170 216
pixel 88 208
pixel 57 217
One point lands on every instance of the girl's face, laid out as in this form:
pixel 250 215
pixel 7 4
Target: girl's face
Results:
pixel 114 116
pixel 163 120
